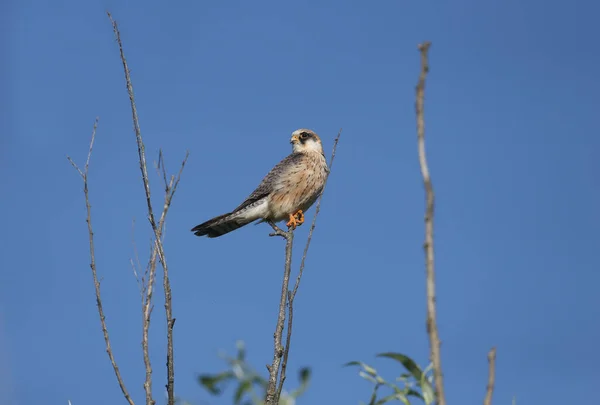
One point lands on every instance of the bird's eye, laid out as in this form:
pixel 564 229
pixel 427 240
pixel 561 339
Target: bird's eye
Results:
pixel 304 135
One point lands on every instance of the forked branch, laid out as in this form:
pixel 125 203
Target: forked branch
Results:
pixel 84 177
pixel 432 330
pixel 292 294
pixel 278 350
pixel 281 352
pixel 158 250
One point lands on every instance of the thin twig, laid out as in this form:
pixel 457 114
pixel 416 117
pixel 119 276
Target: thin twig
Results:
pixel 432 330
pixel 491 377
pixel 147 305
pixel 146 316
pixel 271 396
pixel 137 278
pixel 84 177
pixel 170 386
pixel 317 210
pixel 136 266
pixel 288 339
pixel 151 274
pixel 161 165
pixel 158 248
pixel 292 294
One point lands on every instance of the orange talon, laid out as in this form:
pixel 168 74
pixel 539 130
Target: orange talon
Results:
pixel 299 217
pixel 295 219
pixel 293 222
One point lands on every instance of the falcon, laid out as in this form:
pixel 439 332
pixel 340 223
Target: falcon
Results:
pixel 285 193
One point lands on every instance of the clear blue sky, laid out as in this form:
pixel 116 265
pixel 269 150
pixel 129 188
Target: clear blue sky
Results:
pixel 512 126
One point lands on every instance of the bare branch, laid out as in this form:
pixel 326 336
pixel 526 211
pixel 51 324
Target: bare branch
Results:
pixel 135 274
pixel 167 287
pixel 84 176
pixel 491 377
pixel 87 161
pixel 160 164
pixel 292 294
pixel 136 126
pixel 158 249
pixel 147 306
pixel 278 231
pixel 75 166
pixel 146 316
pixel 432 331
pixel 136 266
pixel 271 396
pixel 288 339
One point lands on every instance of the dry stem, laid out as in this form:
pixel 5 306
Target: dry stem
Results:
pixel 292 294
pixel 279 351
pixel 271 395
pixel 158 243
pixel 84 176
pixel 432 330
pixel 491 377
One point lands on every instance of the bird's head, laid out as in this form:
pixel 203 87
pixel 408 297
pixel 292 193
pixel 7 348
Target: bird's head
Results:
pixel 305 140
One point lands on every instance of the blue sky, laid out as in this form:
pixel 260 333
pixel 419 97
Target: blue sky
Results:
pixel 512 129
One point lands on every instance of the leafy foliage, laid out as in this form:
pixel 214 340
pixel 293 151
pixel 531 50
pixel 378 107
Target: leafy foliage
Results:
pixel 416 383
pixel 251 386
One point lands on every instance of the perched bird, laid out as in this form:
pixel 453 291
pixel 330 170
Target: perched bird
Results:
pixel 289 189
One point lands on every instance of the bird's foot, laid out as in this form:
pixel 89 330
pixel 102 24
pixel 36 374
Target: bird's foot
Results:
pixel 299 216
pixel 296 219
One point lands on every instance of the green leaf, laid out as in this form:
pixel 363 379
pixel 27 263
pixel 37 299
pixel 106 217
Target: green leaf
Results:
pixel 412 393
pixel 427 389
pixel 367 377
pixel 407 362
pixel 394 387
pixel 404 377
pixel 241 390
pixel 210 381
pixel 304 375
pixel 241 350
pixel 399 396
pixel 370 370
pixel 428 368
pixel 374 395
pixel 407 391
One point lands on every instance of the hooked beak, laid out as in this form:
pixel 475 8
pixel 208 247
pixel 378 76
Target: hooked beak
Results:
pixel 294 139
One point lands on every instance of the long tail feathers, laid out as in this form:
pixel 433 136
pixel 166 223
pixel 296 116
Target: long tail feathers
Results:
pixel 220 225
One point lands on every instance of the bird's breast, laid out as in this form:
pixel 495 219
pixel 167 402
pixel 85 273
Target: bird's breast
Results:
pixel 299 186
